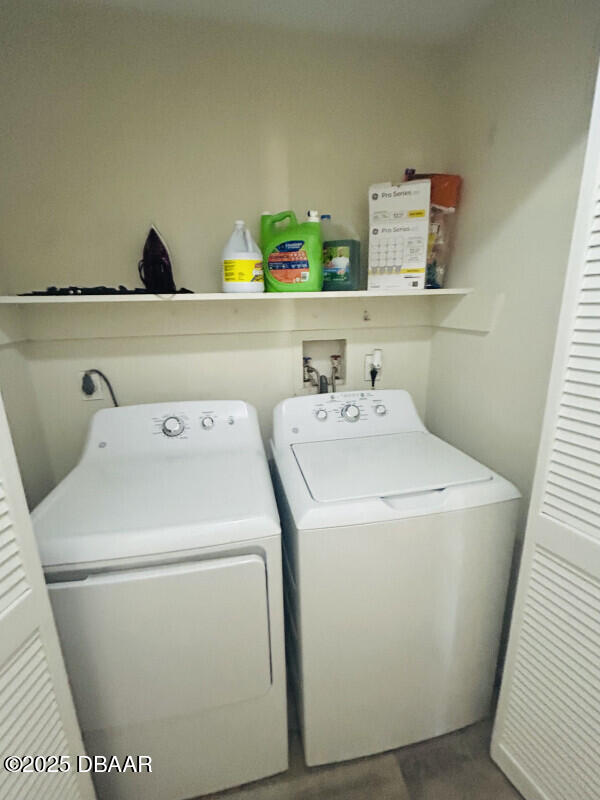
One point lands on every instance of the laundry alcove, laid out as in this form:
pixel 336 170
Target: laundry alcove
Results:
pixel 119 117
pixel 188 115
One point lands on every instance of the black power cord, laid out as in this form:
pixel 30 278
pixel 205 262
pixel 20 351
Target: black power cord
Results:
pixel 89 387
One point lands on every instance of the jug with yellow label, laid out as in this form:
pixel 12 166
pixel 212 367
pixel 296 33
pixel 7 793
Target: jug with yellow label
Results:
pixel 242 262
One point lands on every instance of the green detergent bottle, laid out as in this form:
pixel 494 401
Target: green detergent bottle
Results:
pixel 292 254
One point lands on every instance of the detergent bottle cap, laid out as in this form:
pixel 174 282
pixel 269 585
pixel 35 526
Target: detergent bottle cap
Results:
pixel 239 223
pixel 325 216
pixel 313 216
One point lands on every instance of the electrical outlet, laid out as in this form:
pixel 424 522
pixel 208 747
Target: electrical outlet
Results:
pixel 368 365
pixel 98 387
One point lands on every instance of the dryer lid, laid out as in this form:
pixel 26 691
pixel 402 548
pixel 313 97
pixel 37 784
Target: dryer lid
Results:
pixel 132 508
pixel 383 466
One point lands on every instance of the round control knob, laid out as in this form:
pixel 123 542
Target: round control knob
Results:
pixel 380 410
pixel 351 412
pixel 207 423
pixel 173 426
pixel 321 414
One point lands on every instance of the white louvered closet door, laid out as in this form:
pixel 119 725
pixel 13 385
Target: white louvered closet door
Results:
pixel 547 732
pixel 37 716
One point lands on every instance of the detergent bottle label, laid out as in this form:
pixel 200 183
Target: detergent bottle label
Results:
pixel 242 270
pixel 336 263
pixel 288 262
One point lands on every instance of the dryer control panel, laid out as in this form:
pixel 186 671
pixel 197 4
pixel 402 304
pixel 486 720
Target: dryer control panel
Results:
pixel 179 428
pixel 176 423
pixel 344 415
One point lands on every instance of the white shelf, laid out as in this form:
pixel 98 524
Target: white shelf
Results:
pixel 219 296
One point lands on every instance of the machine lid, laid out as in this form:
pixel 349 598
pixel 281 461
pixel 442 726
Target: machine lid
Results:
pixel 383 466
pixel 128 508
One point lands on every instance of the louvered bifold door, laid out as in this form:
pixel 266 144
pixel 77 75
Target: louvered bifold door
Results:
pixel 547 732
pixel 37 717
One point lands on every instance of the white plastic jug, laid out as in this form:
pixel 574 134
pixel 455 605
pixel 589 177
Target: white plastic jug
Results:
pixel 242 262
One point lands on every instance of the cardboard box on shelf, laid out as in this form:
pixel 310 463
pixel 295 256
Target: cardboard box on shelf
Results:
pixel 398 231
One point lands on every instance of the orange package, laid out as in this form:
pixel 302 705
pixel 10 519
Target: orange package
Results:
pixel 445 193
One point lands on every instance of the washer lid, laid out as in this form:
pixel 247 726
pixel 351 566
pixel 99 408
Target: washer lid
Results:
pixel 128 508
pixel 382 466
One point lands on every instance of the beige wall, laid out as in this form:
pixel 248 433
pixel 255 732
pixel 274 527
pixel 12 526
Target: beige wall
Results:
pixel 115 120
pixel 25 421
pixel 523 91
pixel 40 381
pixel 254 366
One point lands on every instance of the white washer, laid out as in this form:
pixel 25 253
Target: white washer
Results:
pixel 162 552
pixel 397 552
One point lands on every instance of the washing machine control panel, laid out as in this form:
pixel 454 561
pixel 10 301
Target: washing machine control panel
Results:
pixel 349 407
pixel 344 414
pixel 350 412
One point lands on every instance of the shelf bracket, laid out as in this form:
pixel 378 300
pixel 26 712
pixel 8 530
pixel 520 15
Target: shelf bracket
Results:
pixel 476 312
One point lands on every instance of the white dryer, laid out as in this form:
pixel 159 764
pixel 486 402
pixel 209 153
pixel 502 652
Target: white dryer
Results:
pixel 397 552
pixel 162 553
